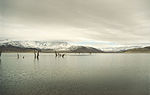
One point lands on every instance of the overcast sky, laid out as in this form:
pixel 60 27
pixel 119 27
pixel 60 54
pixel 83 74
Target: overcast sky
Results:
pixel 102 21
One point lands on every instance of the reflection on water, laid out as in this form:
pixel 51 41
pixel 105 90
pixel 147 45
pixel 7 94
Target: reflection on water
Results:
pixel 84 74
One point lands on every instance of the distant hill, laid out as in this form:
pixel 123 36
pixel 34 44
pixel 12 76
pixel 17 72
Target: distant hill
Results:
pixel 83 49
pixel 139 50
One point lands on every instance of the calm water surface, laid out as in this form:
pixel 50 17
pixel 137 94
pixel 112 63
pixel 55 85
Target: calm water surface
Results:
pixel 84 74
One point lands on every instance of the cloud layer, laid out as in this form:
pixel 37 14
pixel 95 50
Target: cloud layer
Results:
pixel 111 21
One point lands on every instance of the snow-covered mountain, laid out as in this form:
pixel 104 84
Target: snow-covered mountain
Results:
pixel 37 44
pixel 46 46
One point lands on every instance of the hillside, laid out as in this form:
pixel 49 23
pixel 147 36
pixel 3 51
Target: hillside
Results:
pixel 138 50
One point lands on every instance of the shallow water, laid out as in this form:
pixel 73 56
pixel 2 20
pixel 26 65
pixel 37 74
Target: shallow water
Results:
pixel 75 74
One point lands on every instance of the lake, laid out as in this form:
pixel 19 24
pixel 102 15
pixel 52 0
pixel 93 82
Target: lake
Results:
pixel 75 74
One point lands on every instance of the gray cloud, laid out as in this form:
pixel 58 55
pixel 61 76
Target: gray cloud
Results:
pixel 119 21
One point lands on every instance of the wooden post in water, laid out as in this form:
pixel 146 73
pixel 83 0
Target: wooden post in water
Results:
pixel 38 54
pixel 17 55
pixel 0 53
pixel 34 54
pixel 56 54
pixel 63 55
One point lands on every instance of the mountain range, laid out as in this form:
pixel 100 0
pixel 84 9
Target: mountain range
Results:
pixel 45 46
pixel 61 46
